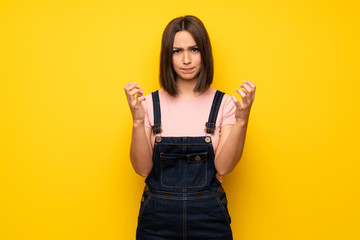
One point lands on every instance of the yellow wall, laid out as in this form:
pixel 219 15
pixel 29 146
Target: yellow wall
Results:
pixel 65 130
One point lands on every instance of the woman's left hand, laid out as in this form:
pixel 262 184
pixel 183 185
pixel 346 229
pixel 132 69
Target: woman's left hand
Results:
pixel 248 95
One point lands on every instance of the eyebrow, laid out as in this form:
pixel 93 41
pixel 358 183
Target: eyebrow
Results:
pixel 182 48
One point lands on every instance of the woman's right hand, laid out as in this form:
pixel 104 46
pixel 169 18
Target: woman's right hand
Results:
pixel 137 110
pixel 140 148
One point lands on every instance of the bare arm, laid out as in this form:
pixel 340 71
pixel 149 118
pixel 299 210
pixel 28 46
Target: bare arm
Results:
pixel 232 138
pixel 140 149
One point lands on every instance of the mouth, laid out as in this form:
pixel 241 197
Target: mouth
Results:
pixel 187 69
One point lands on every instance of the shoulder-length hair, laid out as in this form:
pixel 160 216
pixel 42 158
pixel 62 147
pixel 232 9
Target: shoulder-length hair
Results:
pixel 198 31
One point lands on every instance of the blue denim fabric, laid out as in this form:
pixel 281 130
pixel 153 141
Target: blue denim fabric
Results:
pixel 182 198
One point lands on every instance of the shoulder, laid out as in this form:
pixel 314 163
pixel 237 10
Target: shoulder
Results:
pixel 227 108
pixel 163 95
pixel 227 100
pixel 148 96
pixel 148 101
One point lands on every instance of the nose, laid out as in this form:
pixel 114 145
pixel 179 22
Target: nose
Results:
pixel 187 58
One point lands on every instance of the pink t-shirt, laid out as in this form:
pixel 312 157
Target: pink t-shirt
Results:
pixel 187 117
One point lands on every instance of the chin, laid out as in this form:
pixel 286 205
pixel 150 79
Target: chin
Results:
pixel 189 76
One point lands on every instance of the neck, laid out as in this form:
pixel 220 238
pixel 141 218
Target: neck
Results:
pixel 185 88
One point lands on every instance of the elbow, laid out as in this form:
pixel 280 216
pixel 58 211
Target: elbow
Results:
pixel 142 168
pixel 226 168
pixel 142 173
pixel 223 172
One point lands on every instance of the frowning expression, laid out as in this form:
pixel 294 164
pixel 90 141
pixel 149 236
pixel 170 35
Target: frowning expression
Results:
pixel 186 56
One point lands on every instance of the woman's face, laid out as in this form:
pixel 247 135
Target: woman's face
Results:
pixel 186 56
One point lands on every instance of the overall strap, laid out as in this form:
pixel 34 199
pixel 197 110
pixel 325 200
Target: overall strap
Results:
pixel 211 124
pixel 156 128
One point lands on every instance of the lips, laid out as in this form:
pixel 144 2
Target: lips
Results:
pixel 187 69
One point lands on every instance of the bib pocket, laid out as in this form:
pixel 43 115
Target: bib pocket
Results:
pixel 184 170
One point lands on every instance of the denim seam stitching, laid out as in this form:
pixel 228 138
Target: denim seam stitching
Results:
pixel 182 197
pixel 205 191
pixel 184 221
pixel 223 209
pixel 183 143
pixel 143 208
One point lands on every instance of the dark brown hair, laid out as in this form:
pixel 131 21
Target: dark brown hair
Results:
pixel 198 31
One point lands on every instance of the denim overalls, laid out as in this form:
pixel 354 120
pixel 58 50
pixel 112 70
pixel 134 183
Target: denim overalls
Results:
pixel 182 198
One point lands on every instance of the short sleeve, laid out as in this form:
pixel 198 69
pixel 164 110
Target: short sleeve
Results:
pixel 147 104
pixel 228 113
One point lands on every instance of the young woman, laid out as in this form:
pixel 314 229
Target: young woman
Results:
pixel 185 137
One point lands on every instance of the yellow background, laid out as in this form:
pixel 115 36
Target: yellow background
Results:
pixel 65 124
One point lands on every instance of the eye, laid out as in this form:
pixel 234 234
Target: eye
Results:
pixel 176 51
pixel 195 49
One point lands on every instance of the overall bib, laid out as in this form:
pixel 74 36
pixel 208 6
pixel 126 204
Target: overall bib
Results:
pixel 182 199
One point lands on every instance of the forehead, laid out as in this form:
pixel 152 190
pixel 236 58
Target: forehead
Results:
pixel 183 39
